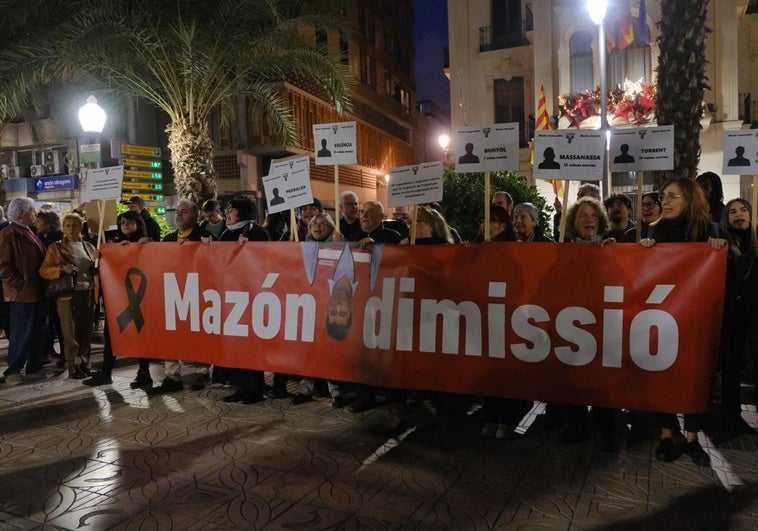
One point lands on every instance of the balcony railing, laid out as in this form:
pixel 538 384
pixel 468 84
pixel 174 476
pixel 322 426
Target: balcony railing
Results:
pixel 500 36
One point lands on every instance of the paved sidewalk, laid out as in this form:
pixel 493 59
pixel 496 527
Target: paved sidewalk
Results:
pixel 73 457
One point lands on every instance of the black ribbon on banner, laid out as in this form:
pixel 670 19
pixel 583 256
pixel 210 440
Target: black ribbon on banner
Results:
pixel 133 312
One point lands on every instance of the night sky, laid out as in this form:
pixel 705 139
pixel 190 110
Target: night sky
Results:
pixel 430 36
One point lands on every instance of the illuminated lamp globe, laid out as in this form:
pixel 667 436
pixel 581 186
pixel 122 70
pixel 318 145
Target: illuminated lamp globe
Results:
pixel 92 116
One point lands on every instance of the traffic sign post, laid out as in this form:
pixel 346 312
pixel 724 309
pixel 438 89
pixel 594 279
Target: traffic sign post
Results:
pixel 143 174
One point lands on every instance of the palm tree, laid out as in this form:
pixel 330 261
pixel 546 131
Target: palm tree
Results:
pixel 681 78
pixel 187 57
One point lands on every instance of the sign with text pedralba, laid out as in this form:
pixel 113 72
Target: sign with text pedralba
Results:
pixel 415 185
pixel 740 152
pixel 572 155
pixel 492 147
pixel 288 184
pixel 496 319
pixel 335 143
pixel 642 149
pixel 101 183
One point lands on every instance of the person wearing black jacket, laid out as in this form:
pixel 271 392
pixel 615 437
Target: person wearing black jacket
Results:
pixel 137 204
pixel 240 226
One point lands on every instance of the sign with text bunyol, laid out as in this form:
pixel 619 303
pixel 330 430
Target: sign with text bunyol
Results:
pixel 642 149
pixel 288 184
pixel 335 143
pixel 572 155
pixel 486 148
pixel 415 185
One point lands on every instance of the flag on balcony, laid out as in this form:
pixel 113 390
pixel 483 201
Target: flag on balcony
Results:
pixel 643 32
pixel 543 123
pixel 610 37
pixel 626 27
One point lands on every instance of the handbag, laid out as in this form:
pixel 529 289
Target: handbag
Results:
pixel 61 286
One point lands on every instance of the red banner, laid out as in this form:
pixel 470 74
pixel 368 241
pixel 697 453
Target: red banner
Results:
pixel 618 326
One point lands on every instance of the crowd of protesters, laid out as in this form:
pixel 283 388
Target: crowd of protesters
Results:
pixel 34 250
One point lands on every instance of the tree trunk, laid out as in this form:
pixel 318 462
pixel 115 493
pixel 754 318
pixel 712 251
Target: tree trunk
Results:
pixel 192 161
pixel 681 78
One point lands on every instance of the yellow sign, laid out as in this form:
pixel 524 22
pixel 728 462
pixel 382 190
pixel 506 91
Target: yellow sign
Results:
pixel 141 163
pixel 142 151
pixel 141 185
pixel 143 174
pixel 146 197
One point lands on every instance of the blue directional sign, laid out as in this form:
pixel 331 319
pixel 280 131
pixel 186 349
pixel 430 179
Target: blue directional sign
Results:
pixel 54 184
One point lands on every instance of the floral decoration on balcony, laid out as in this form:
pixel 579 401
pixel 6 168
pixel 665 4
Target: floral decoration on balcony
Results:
pixel 632 105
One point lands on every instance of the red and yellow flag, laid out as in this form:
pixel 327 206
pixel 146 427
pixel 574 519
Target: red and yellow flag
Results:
pixel 542 123
pixel 626 28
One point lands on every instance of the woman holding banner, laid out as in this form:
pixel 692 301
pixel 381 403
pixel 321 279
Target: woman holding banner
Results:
pixel 240 227
pixel 685 218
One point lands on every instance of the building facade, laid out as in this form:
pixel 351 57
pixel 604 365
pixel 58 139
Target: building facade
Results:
pixel 502 51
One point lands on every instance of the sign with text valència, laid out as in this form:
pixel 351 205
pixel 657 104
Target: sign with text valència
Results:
pixel 335 143
pixel 288 184
pixel 572 155
pixel 642 149
pixel 740 152
pixel 486 148
pixel 99 184
pixel 415 185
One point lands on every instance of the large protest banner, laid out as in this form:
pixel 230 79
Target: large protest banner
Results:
pixel 617 326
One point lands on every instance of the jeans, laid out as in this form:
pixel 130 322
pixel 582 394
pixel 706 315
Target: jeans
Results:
pixel 27 333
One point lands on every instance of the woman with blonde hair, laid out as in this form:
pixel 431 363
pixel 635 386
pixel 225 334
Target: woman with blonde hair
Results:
pixel 73 255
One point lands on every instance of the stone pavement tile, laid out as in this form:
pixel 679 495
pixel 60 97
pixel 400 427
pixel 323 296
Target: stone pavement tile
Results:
pixel 302 516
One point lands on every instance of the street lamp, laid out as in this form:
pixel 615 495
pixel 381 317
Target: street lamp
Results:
pixel 444 141
pixel 597 10
pixel 92 116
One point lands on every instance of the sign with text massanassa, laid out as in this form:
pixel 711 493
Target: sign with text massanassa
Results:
pixel 486 148
pixel 740 152
pixel 288 184
pixel 495 319
pixel 572 155
pixel 415 185
pixel 642 149
pixel 335 143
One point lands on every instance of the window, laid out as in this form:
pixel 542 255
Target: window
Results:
pixel 509 105
pixel 368 70
pixel 581 61
pixel 632 63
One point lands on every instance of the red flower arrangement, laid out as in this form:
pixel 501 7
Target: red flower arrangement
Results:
pixel 634 104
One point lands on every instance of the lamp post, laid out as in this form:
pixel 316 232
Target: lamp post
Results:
pixel 92 119
pixel 597 10
pixel 444 141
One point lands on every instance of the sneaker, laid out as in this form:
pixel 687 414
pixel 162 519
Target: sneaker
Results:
pixel 301 399
pixel 489 429
pixel 98 379
pixel 14 378
pixel 169 385
pixel 504 432
pixel 201 382
pixel 140 382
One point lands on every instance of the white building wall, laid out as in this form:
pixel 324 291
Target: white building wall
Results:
pixel 547 61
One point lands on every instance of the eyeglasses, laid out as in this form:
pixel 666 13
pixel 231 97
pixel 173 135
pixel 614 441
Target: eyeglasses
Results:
pixel 351 204
pixel 648 204
pixel 668 197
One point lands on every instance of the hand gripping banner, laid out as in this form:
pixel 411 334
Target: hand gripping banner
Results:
pixel 620 326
